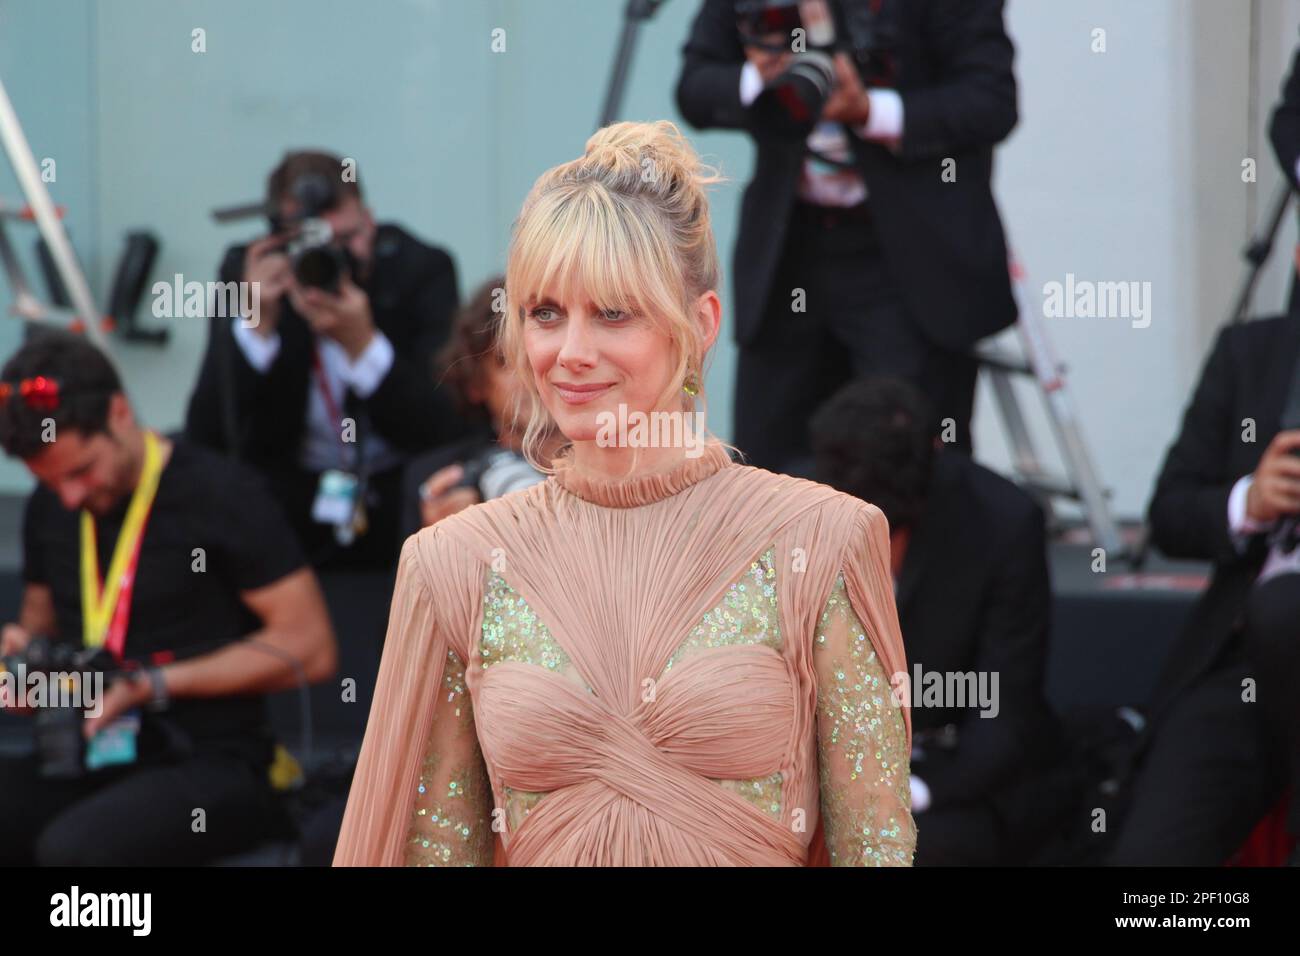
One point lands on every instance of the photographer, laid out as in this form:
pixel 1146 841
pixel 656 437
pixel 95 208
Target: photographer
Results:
pixel 869 242
pixel 327 391
pixel 1222 741
pixel 489 463
pixel 175 564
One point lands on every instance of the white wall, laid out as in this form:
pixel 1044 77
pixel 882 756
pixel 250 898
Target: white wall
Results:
pixel 1126 165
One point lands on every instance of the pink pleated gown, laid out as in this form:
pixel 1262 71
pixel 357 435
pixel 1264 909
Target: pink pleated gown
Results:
pixel 686 668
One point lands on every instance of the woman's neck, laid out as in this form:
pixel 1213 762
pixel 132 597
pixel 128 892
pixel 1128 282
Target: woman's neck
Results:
pixel 591 458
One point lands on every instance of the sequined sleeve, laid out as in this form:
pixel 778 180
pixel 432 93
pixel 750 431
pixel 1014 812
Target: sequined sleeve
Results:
pixel 451 822
pixel 862 746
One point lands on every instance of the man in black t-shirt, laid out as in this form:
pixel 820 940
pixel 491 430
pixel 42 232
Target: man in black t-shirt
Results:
pixel 213 607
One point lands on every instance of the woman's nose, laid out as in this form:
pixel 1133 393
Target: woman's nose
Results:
pixel 578 347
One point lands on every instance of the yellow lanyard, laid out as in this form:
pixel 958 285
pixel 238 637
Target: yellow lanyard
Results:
pixel 97 606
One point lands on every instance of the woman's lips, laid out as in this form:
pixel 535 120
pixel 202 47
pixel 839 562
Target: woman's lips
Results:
pixel 582 394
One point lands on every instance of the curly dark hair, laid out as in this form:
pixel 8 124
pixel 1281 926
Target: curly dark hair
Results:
pixel 473 341
pixel 874 439
pixel 86 382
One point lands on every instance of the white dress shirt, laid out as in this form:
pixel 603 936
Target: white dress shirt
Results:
pixel 1242 526
pixel 821 183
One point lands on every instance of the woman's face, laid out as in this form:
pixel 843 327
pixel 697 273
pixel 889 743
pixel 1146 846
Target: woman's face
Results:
pixel 587 361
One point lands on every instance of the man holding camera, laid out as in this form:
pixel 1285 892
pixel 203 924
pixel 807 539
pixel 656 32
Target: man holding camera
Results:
pixel 329 388
pixel 869 240
pixel 177 566
pixel 1222 741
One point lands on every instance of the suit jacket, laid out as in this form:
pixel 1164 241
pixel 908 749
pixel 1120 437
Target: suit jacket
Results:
pixel 1284 127
pixel 1246 377
pixel 262 417
pixel 943 241
pixel 974 594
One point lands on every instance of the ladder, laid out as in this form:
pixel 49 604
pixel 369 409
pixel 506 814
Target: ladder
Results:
pixel 1080 483
pixel 40 209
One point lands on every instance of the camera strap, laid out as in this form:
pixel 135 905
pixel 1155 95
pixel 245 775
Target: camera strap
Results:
pixel 106 604
pixel 331 406
pixel 340 499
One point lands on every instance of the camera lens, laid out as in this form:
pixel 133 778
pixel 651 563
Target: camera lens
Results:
pixel 319 268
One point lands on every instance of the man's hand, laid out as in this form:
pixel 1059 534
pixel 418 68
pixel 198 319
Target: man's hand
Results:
pixel 438 498
pixel 124 693
pixel 1275 490
pixel 848 102
pixel 267 265
pixel 770 63
pixel 345 318
pixel 13 640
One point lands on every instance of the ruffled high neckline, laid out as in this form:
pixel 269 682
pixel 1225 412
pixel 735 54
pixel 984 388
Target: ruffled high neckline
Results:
pixel 644 489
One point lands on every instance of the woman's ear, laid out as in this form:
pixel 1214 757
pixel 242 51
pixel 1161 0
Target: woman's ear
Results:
pixel 708 312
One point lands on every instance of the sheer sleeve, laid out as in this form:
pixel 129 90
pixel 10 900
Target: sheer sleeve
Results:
pixel 863 733
pixel 451 822
pixel 420 794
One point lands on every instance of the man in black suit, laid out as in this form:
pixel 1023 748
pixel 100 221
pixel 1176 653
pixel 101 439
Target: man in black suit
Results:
pixel 329 393
pixel 1284 132
pixel 894 260
pixel 1284 127
pixel 1222 725
pixel 970 565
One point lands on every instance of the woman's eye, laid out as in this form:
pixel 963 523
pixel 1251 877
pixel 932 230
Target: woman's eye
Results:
pixel 613 315
pixel 542 315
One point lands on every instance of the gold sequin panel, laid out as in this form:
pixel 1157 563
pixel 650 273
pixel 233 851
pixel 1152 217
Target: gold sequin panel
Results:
pixel 451 825
pixel 862 746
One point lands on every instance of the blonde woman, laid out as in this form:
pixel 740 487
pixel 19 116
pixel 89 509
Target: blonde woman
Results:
pixel 657 656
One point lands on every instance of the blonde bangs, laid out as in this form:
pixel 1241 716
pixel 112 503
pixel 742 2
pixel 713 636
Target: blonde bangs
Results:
pixel 582 241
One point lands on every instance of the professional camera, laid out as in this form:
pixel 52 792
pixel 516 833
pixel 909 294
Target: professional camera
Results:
pixel 317 260
pixel 60 746
pixel 494 471
pixel 791 104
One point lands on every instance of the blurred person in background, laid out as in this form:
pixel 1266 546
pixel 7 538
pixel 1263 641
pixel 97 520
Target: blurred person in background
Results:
pixel 489 462
pixel 328 390
pixel 869 241
pixel 177 566
pixel 1222 738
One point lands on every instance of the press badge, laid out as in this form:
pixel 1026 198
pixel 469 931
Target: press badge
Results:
pixel 114 744
pixel 336 498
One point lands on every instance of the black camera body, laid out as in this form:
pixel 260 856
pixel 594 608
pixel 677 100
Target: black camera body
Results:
pixel 792 103
pixel 60 745
pixel 316 260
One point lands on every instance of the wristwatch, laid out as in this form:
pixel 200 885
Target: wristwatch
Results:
pixel 159 698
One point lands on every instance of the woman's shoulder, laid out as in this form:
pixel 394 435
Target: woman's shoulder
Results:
pixel 803 495
pixel 460 535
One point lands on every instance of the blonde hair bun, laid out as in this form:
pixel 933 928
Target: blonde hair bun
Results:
pixel 656 155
